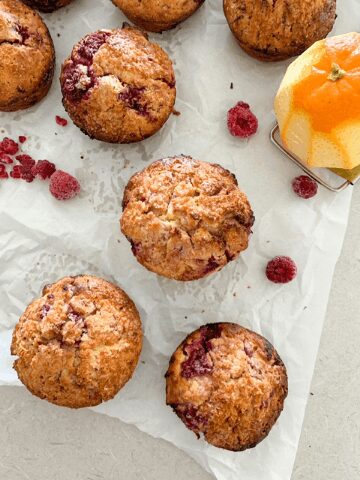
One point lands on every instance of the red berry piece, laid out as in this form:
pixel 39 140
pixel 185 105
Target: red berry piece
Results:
pixel 304 186
pixel 281 270
pixel 5 158
pixel 61 121
pixel 3 172
pixel 63 186
pixel 25 160
pixel 43 169
pixel 241 121
pixel 16 172
pixel 9 146
pixel 22 139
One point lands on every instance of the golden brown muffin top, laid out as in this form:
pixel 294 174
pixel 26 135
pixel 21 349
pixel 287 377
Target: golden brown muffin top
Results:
pixel 185 218
pixel 280 28
pixel 117 86
pixel 227 383
pixel 79 343
pixel 157 15
pixel 26 52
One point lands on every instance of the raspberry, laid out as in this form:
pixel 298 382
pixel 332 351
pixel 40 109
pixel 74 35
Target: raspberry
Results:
pixel 3 172
pixel 16 172
pixel 25 160
pixel 9 146
pixel 63 186
pixel 188 413
pixel 305 186
pixel 132 97
pixel 5 158
pixel 61 121
pixel 23 172
pixel 281 270
pixel 43 169
pixel 241 121
pixel 22 139
pixel 198 362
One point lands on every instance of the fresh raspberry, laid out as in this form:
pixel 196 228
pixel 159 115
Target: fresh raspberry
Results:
pixel 63 186
pixel 16 172
pixel 5 158
pixel 281 270
pixel 9 146
pixel 241 121
pixel 43 169
pixel 305 186
pixel 22 139
pixel 3 172
pixel 25 160
pixel 61 121
pixel 23 172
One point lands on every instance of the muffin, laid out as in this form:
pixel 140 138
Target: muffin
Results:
pixel 227 383
pixel 27 57
pixel 117 86
pixel 185 218
pixel 47 5
pixel 272 31
pixel 79 343
pixel 158 15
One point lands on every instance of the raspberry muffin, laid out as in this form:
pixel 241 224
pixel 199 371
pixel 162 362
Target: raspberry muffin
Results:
pixel 27 57
pixel 79 343
pixel 117 86
pixel 158 15
pixel 47 5
pixel 276 30
pixel 227 383
pixel 185 218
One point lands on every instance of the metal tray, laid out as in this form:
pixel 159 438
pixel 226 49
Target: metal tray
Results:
pixel 350 176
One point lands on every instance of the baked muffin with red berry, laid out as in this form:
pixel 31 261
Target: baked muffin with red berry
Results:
pixel 276 30
pixel 158 15
pixel 47 5
pixel 79 343
pixel 27 56
pixel 185 218
pixel 117 86
pixel 228 384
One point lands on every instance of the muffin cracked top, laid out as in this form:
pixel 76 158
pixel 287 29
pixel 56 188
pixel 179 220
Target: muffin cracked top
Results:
pixel 185 218
pixel 117 86
pixel 274 30
pixel 227 383
pixel 27 56
pixel 79 343
pixel 158 15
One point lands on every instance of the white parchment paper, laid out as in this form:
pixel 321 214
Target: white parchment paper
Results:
pixel 42 239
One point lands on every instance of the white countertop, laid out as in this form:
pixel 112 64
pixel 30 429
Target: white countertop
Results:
pixel 41 442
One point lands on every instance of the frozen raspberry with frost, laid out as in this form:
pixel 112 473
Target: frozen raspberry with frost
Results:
pixel 198 362
pixel 281 270
pixel 304 186
pixel 61 121
pixel 3 172
pixel 5 158
pixel 241 121
pixel 9 146
pixel 43 169
pixel 63 186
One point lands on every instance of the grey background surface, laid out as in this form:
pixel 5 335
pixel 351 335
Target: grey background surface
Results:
pixel 42 442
